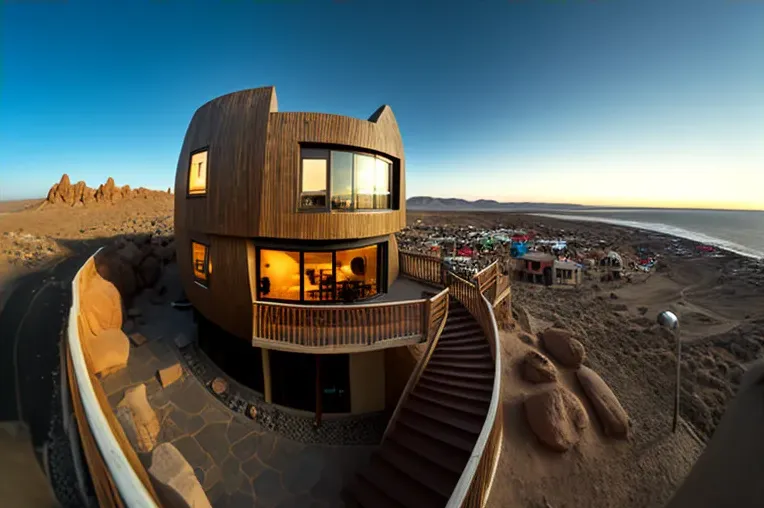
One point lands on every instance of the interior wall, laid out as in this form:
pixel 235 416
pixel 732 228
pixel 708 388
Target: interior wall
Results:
pixel 367 382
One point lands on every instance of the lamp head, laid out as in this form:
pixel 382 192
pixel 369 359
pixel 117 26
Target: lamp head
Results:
pixel 668 320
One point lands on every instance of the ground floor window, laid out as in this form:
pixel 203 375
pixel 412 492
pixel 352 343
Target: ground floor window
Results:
pixel 202 265
pixel 313 276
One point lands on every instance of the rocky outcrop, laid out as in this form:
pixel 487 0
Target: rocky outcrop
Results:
pixel 100 305
pixel 65 193
pixel 608 409
pixel 108 351
pixel 138 419
pixel 169 375
pixel 557 418
pixel 135 263
pixel 538 369
pixel 174 479
pixel 563 347
pixel 524 320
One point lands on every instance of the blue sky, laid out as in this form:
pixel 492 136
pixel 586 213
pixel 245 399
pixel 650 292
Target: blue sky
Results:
pixel 620 102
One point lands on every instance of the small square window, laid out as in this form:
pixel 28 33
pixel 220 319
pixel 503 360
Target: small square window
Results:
pixel 202 265
pixel 197 174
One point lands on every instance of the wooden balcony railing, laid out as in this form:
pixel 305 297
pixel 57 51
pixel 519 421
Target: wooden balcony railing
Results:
pixel 345 328
pixel 421 267
pixel 438 314
pixel 475 482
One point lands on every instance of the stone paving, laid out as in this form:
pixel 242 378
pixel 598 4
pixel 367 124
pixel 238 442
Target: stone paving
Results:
pixel 237 461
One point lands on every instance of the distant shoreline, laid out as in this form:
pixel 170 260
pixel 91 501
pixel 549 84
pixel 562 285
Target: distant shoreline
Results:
pixel 665 229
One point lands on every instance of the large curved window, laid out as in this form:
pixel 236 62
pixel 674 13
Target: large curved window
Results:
pixel 344 275
pixel 344 181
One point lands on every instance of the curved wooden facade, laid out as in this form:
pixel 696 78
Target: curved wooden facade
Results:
pixel 253 168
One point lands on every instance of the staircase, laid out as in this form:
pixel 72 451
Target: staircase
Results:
pixel 420 461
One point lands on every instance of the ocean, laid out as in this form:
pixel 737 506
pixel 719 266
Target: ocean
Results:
pixel 736 231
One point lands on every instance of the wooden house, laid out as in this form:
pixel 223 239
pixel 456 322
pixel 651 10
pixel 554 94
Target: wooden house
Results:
pixel 285 226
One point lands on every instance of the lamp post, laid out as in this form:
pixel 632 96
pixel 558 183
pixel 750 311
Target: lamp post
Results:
pixel 670 322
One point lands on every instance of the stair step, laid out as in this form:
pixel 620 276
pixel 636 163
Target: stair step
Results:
pixel 447 382
pixel 368 495
pixel 484 354
pixel 445 434
pixel 466 325
pixel 430 448
pixel 400 486
pixel 463 364
pixel 463 339
pixel 463 374
pixel 450 402
pixel 458 388
pixel 450 417
pixel 460 318
pixel 473 347
pixel 430 474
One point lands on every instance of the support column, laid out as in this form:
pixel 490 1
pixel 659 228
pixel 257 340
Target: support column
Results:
pixel 266 375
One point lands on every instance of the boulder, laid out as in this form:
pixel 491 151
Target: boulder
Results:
pixel 526 338
pixel 100 306
pixel 149 271
pixel 169 375
pixel 524 320
pixel 563 347
pixel 538 369
pixel 608 409
pixel 119 272
pixel 131 254
pixel 138 419
pixel 108 351
pixel 557 418
pixel 174 480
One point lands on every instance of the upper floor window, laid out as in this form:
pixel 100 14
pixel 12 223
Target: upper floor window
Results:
pixel 197 173
pixel 346 181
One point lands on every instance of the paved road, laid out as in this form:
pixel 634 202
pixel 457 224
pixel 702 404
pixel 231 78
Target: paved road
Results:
pixel 31 324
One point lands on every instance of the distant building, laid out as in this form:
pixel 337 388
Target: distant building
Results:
pixel 543 268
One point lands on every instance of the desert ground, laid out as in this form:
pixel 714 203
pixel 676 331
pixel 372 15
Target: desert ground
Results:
pixel 720 302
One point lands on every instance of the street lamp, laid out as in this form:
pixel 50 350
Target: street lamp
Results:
pixel 670 322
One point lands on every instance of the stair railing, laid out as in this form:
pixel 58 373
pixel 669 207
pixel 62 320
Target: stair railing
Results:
pixel 437 316
pixel 476 480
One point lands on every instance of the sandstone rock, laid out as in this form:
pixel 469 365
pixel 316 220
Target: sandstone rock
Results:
pixel 527 339
pixel 108 351
pixel 101 306
pixel 78 191
pixel 137 339
pixel 131 254
pixel 610 413
pixel 524 320
pixel 563 347
pixel 119 272
pixel 174 480
pixel 138 419
pixel 170 374
pixel 538 369
pixel 149 271
pixel 557 418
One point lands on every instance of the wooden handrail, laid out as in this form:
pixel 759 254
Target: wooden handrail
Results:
pixel 421 267
pixel 476 479
pixel 339 328
pixel 438 315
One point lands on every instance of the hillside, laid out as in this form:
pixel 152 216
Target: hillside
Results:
pixel 428 203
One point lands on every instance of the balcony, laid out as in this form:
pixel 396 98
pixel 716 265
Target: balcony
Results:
pixel 398 318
